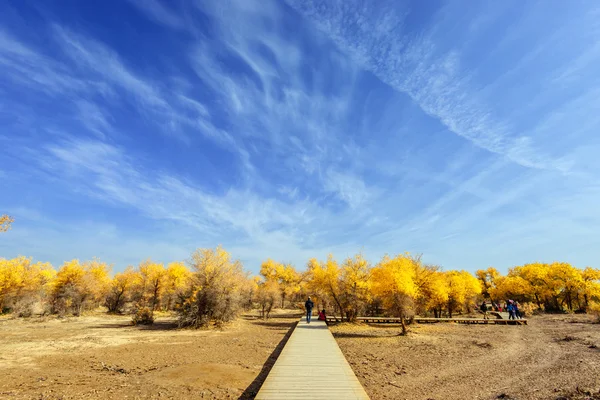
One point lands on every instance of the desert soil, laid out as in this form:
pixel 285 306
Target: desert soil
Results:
pixel 104 357
pixel 554 357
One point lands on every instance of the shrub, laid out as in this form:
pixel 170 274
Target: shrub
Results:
pixel 143 316
pixel 29 307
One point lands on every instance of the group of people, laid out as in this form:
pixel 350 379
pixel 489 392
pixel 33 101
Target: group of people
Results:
pixel 513 310
pixel 510 306
pixel 309 305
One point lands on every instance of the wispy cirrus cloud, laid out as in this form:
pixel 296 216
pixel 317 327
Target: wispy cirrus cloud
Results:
pixel 159 12
pixel 109 173
pixel 432 76
pixel 296 143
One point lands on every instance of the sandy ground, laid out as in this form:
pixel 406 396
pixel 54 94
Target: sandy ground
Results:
pixel 554 357
pixel 104 357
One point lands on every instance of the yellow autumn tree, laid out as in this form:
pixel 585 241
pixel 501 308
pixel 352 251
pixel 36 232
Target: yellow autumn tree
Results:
pixel 267 295
pixel 538 284
pixel 317 282
pixel 553 287
pixel 511 287
pixel 23 285
pixel 215 290
pixel 565 282
pixel 152 284
pixel 148 291
pixel 488 278
pixel 121 289
pixel 431 287
pixel 590 290
pixel 176 278
pixel 96 282
pixel 289 282
pixel 355 285
pixel 394 282
pixel 78 287
pixel 346 286
pixel 324 279
pixel 284 276
pixel 462 291
pixel 434 293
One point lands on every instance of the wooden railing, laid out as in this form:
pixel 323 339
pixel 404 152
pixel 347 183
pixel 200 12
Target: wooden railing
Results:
pixel 421 320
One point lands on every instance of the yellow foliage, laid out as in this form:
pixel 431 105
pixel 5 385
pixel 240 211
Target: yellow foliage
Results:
pixel 554 286
pixel 394 282
pixel 216 289
pixel 176 280
pixel 5 222
pixel 152 284
pixel 121 288
pixel 79 286
pixel 462 289
pixel 284 276
pixel 346 286
pixel 219 286
pixel 435 293
pixel 269 269
pixel 267 294
pixel 21 279
pixel 395 277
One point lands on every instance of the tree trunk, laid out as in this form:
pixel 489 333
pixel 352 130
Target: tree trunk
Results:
pixel 337 302
pixel 154 297
pixel 115 305
pixel 403 323
pixel 537 300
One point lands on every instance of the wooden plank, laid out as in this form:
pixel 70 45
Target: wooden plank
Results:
pixel 425 320
pixel 311 366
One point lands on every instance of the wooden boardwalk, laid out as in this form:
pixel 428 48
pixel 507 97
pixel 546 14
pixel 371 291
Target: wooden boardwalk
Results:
pixel 311 366
pixel 419 320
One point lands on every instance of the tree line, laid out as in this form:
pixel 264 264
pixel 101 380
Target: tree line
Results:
pixel 212 287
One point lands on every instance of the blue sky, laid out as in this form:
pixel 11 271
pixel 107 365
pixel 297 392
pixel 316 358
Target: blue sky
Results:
pixel 466 131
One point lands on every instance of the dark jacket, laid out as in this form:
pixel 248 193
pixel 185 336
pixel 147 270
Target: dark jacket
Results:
pixel 309 305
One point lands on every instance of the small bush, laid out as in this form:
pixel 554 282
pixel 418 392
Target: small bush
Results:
pixel 143 316
pixel 29 307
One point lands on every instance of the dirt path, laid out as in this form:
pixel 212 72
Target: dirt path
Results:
pixel 549 358
pixel 104 357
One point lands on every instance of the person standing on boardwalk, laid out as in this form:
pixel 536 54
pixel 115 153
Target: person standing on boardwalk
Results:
pixel 511 310
pixel 309 306
pixel 483 309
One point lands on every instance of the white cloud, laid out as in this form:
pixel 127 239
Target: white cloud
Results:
pixel 108 173
pixel 158 12
pixel 433 78
pixel 327 159
pixel 348 188
pixel 94 118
